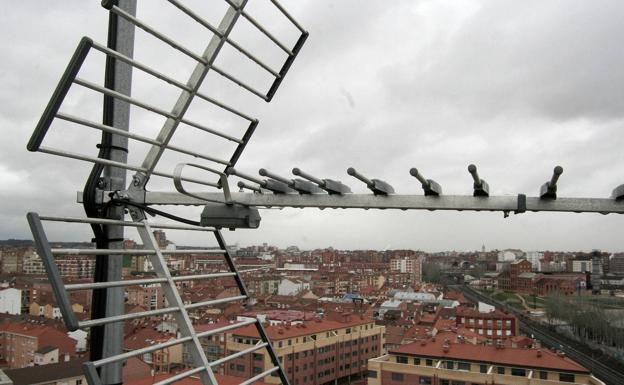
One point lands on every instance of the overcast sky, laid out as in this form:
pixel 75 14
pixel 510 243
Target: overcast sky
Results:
pixel 514 87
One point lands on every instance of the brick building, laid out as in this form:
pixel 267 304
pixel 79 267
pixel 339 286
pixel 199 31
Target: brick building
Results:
pixel 20 341
pixel 313 352
pixel 493 325
pixel 447 360
pixel 147 296
pixel 408 264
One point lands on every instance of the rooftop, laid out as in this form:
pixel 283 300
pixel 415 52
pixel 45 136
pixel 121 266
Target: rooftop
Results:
pixel 45 374
pixel 303 329
pixel 528 358
pixel 46 349
pixel 463 311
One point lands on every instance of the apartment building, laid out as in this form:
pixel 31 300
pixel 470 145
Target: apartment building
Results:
pixel 312 352
pixel 19 343
pixel 148 296
pixel 411 265
pixel 161 361
pixel 493 325
pixel 445 360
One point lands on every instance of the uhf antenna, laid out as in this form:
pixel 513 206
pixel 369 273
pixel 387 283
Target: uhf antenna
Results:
pixel 104 199
pixel 107 219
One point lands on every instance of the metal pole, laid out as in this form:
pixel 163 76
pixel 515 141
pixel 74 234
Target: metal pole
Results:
pixel 109 341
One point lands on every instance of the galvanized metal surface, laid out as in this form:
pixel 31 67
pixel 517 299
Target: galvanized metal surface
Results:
pixel 194 82
pixel 399 202
pixel 178 309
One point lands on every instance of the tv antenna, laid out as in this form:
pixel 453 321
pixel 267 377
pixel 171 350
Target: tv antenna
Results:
pixel 106 199
pixel 107 219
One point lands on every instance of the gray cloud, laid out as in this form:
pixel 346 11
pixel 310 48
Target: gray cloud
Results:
pixel 515 87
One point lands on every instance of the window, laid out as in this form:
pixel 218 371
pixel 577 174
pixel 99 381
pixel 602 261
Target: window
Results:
pixel 425 381
pixel 543 375
pixel 397 376
pixel 566 377
pixel 416 361
pixel 401 359
pixel 371 374
pixel 500 369
pixel 257 370
pixel 449 364
pixel 445 382
pixel 348 331
pixel 463 366
pixel 257 357
pixel 483 368
pixel 429 362
pixel 240 368
pixel 458 383
pixel 518 372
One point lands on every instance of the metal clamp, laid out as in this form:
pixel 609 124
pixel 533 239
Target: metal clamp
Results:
pixel 378 187
pixel 276 186
pixel 549 189
pixel 480 186
pixel 303 186
pixel 331 186
pixel 429 186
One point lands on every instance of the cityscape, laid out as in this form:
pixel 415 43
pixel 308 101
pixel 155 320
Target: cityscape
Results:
pixel 336 316
pixel 311 192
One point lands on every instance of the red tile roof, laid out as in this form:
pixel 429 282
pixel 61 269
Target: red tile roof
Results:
pixel 306 328
pixel 529 358
pixel 200 328
pixel 143 337
pixel 463 311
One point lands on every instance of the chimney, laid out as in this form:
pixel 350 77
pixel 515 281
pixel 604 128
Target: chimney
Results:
pixel 539 353
pixel 66 358
pixel 446 347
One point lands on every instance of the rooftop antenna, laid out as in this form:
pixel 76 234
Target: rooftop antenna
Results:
pixel 223 208
pixel 107 218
